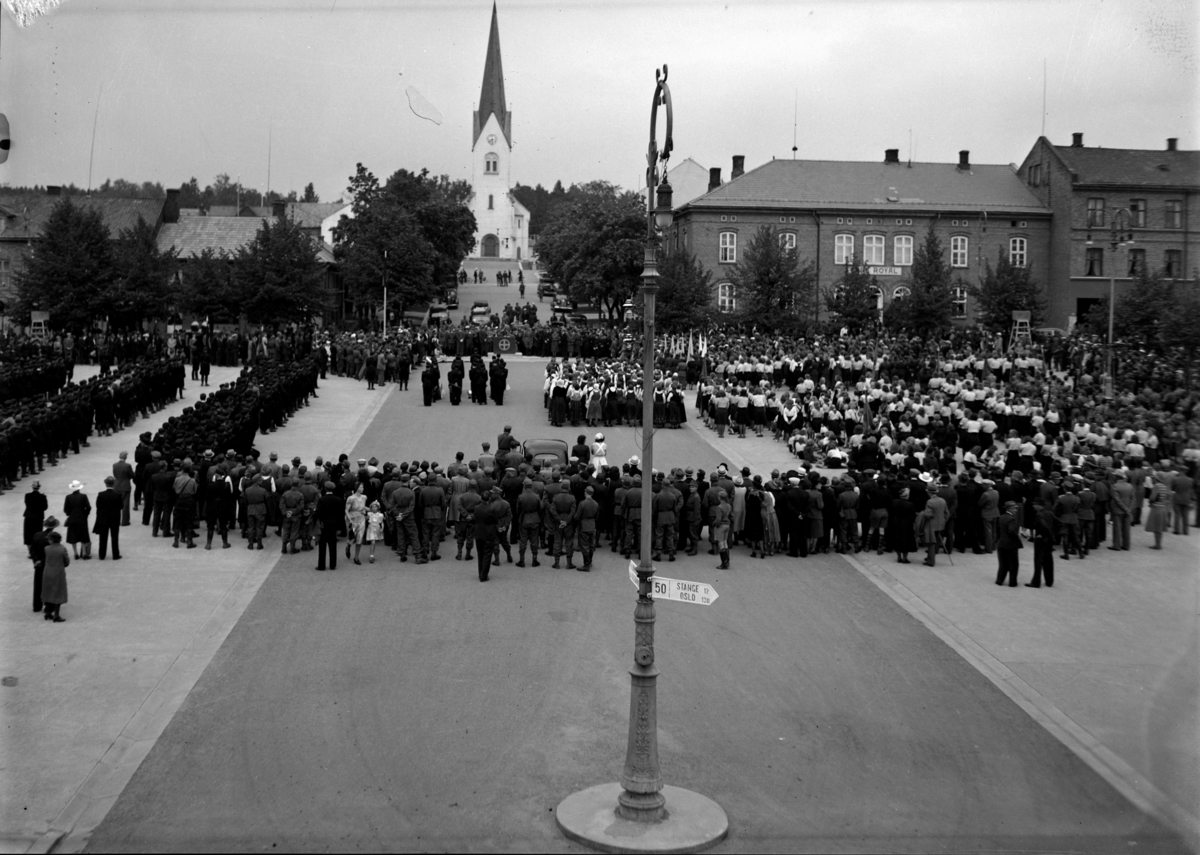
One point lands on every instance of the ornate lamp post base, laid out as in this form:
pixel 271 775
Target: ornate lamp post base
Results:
pixel 691 822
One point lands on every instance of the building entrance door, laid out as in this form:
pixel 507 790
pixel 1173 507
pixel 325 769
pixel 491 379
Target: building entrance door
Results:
pixel 491 246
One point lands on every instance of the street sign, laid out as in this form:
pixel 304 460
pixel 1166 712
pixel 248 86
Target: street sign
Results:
pixel 679 590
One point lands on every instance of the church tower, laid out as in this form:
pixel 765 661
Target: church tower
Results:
pixel 501 222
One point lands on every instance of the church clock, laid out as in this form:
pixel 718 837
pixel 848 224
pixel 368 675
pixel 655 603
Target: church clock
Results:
pixel 491 139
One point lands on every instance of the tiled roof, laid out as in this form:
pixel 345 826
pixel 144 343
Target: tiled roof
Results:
pixel 192 235
pixel 25 215
pixel 874 186
pixel 1131 166
pixel 310 215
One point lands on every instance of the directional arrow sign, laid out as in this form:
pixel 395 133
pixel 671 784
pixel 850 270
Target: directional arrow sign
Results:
pixel 661 588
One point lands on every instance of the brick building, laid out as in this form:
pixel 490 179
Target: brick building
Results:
pixel 1156 192
pixel 832 211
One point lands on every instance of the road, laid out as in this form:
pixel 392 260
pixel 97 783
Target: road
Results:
pixel 390 706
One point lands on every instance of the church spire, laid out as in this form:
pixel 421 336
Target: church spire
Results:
pixel 491 95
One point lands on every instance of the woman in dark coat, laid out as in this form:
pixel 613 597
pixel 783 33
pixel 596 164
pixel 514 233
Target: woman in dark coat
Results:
pixel 54 577
pixel 37 551
pixel 752 527
pixel 77 508
pixel 902 521
pixel 36 506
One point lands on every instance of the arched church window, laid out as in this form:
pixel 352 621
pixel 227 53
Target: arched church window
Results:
pixel 491 164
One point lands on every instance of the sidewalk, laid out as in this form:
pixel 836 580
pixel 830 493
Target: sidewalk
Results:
pixel 1106 660
pixel 84 701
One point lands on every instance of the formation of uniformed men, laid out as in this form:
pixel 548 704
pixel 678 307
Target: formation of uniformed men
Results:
pixel 37 430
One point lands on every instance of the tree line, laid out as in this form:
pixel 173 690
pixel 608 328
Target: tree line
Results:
pixel 80 273
pixel 222 191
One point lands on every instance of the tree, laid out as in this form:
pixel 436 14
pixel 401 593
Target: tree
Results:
pixel 277 274
pixel 1006 289
pixel 773 289
pixel 141 288
pixel 853 299
pixel 1181 326
pixel 415 231
pixel 684 293
pixel 932 300
pixel 310 193
pixel 595 246
pixel 1140 310
pixel 206 288
pixel 70 267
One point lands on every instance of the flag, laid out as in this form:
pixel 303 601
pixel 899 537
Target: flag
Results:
pixel 691 347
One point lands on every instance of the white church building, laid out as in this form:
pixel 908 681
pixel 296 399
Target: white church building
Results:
pixel 502 223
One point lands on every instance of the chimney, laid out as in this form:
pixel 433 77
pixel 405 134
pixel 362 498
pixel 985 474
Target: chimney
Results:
pixel 1172 143
pixel 53 190
pixel 964 161
pixel 279 209
pixel 171 207
pixel 891 155
pixel 739 166
pixel 714 178
pixel 1076 140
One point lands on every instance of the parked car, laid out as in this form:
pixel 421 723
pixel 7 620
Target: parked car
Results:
pixel 546 288
pixel 539 450
pixel 481 313
pixel 452 299
pixel 438 314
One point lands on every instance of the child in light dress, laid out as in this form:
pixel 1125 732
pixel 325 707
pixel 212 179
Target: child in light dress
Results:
pixel 374 528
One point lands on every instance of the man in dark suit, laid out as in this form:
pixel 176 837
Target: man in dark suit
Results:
pixel 123 476
pixel 109 506
pixel 487 533
pixel 1008 544
pixel 330 509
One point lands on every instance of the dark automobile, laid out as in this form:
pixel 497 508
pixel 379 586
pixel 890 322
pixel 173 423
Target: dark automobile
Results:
pixel 438 315
pixel 452 299
pixel 481 312
pixel 552 450
pixel 546 288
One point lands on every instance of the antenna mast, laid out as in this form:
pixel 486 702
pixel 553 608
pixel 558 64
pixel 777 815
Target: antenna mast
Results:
pixel 795 115
pixel 1043 96
pixel 92 153
pixel 267 201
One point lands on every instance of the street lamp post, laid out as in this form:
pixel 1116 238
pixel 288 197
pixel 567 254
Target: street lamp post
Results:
pixel 1122 235
pixel 639 819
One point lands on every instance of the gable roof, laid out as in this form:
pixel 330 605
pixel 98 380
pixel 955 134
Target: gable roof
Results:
pixel 1132 166
pixel 192 235
pixel 24 216
pixel 310 215
pixel 875 186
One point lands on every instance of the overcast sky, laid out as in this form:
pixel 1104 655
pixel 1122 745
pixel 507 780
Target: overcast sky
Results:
pixel 197 87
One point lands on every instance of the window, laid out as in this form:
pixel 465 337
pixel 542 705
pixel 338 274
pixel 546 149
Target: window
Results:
pixel 5 273
pixel 902 292
pixel 1174 264
pixel 491 164
pixel 1094 262
pixel 1035 175
pixel 904 250
pixel 1095 216
pixel 873 249
pixel 878 293
pixel 958 251
pixel 843 249
pixel 1017 251
pixel 728 247
pixel 1137 210
pixel 1174 214
pixel 491 202
pixel 787 240
pixel 959 303
pixel 1137 261
pixel 726 302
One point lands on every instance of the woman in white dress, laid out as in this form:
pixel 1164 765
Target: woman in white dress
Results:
pixel 600 454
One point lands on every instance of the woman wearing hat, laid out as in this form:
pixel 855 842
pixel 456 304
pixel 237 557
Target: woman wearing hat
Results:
pixel 36 506
pixel 77 508
pixel 37 551
pixel 356 521
pixel 54 577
